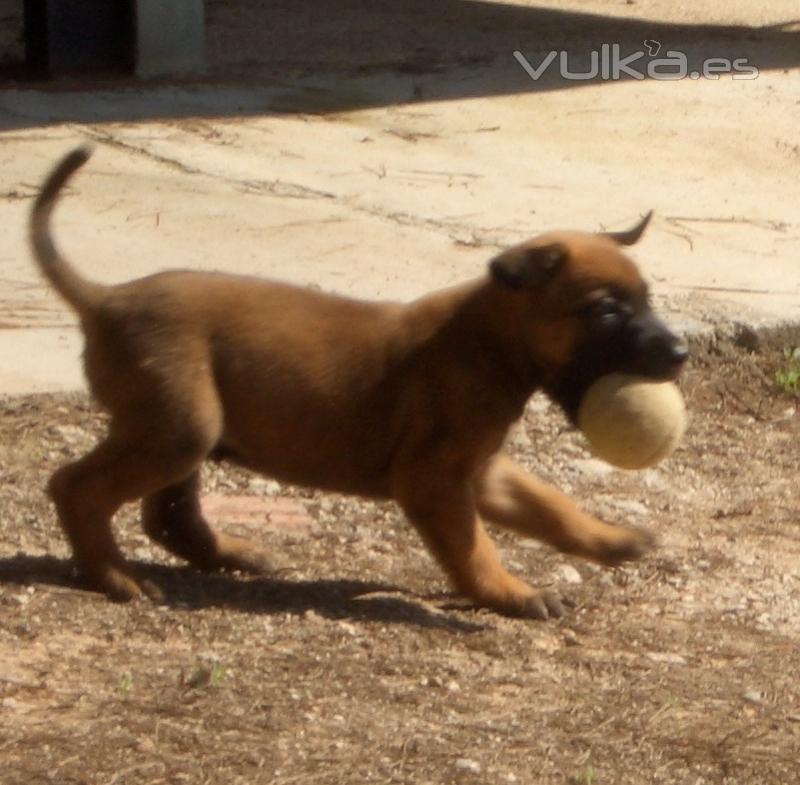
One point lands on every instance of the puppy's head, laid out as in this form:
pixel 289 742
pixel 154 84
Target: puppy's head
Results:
pixel 584 312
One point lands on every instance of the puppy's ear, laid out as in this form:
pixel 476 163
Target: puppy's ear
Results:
pixel 526 268
pixel 633 234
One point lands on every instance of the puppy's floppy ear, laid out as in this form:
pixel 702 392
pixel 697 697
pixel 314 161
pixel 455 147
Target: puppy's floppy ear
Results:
pixel 633 234
pixel 524 267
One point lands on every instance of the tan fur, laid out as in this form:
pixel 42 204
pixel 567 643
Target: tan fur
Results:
pixel 408 402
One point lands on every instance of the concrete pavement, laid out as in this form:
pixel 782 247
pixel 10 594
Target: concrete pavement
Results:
pixel 395 199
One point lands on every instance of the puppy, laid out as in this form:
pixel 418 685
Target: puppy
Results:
pixel 410 402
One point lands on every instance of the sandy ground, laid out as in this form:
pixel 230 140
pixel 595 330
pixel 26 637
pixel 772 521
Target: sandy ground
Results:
pixel 381 152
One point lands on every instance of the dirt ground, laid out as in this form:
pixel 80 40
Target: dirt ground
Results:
pixel 353 663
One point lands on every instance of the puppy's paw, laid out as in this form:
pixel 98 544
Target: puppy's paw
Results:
pixel 151 591
pixel 538 604
pixel 240 555
pixel 628 544
pixel 119 585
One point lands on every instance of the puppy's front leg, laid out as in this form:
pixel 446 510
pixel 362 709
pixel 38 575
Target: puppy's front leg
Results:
pixel 510 497
pixel 450 526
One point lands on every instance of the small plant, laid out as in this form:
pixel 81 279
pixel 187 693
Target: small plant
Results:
pixel 586 777
pixel 205 676
pixel 125 683
pixel 218 674
pixel 787 377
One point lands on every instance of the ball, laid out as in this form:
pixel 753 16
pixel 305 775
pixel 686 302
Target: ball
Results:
pixel 630 421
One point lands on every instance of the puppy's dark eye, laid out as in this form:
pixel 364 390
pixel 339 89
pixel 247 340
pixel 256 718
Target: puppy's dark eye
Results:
pixel 608 312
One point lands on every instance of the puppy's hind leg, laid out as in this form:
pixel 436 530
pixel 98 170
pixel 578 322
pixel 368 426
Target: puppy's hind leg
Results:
pixel 172 517
pixel 140 456
pixel 88 492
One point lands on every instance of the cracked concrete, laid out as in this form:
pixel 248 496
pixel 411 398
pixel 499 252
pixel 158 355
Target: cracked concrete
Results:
pixel 393 199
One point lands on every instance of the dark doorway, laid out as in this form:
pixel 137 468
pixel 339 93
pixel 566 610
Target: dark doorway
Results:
pixel 79 36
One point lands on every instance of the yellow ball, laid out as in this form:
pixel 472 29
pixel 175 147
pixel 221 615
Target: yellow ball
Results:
pixel 630 421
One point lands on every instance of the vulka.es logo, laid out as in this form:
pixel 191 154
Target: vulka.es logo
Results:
pixel 609 64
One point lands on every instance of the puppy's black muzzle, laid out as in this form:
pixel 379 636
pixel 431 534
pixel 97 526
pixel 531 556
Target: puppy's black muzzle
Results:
pixel 649 348
pixel 643 346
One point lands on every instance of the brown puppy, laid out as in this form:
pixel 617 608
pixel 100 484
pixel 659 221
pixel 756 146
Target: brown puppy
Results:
pixel 406 402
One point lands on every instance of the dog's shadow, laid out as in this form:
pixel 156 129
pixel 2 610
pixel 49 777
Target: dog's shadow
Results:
pixel 187 589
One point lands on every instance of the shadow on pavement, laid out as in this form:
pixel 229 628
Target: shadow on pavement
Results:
pixel 321 56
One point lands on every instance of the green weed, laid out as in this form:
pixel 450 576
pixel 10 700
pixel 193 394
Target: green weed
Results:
pixel 586 777
pixel 787 377
pixel 125 684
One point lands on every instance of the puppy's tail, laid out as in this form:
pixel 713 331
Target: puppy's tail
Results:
pixel 75 289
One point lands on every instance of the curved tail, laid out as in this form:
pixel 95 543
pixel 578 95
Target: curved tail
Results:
pixel 75 289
